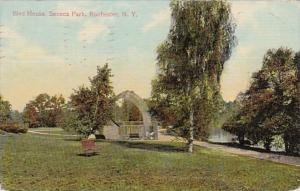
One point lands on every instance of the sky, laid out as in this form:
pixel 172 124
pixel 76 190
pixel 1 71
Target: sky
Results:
pixel 56 54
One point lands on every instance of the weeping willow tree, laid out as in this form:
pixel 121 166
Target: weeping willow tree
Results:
pixel 190 62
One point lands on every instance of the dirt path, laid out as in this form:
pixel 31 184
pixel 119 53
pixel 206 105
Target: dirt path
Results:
pixel 254 154
pixel 45 133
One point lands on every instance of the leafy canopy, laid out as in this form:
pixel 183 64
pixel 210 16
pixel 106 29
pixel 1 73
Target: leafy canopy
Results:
pixel 5 110
pixel 271 105
pixel 190 62
pixel 91 107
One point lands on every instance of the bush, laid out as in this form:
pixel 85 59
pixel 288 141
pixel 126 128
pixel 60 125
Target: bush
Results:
pixel 13 128
pixel 278 142
pixel 2 132
pixel 71 123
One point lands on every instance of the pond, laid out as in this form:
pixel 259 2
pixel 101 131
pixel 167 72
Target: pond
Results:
pixel 220 136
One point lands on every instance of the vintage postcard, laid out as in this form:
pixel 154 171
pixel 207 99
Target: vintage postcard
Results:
pixel 150 95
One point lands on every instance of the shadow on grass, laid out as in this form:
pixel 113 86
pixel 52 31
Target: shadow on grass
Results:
pixel 72 139
pixel 80 138
pixel 87 155
pixel 162 147
pixel 246 147
pixel 151 146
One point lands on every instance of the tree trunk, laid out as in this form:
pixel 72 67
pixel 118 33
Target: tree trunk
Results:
pixel 191 138
pixel 267 144
pixel 241 139
pixel 95 115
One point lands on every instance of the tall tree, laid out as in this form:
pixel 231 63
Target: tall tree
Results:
pixel 44 110
pixel 190 63
pixel 271 105
pixel 57 105
pixel 30 115
pixel 5 110
pixel 93 105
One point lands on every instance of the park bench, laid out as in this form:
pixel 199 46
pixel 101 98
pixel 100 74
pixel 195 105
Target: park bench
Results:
pixel 89 147
pixel 134 136
pixel 100 136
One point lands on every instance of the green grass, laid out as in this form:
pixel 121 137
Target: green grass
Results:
pixel 34 162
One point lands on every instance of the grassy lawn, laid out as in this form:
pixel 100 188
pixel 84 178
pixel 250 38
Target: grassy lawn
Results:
pixel 35 162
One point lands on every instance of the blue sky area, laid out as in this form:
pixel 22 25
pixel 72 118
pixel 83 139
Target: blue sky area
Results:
pixel 56 54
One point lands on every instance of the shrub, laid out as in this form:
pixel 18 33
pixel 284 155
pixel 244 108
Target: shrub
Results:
pixel 2 132
pixel 278 142
pixel 13 128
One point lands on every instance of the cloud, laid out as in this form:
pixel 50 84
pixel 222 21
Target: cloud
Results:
pixel 297 3
pixel 91 31
pixel 25 69
pixel 25 53
pixel 10 35
pixel 158 19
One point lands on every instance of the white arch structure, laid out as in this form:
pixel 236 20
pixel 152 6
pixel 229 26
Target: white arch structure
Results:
pixel 148 125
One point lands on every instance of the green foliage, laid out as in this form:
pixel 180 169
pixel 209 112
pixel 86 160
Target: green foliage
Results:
pixel 10 121
pixel 190 62
pixel 278 142
pixel 44 111
pixel 91 107
pixel 271 105
pixel 127 112
pixel 235 123
pixel 226 110
pixel 72 124
pixel 5 110
pixel 16 116
pixel 13 127
pixel 2 132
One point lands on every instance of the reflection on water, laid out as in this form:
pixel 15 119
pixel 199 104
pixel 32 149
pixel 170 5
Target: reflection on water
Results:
pixel 219 135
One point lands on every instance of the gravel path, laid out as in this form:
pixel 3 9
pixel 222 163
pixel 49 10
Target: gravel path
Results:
pixel 290 160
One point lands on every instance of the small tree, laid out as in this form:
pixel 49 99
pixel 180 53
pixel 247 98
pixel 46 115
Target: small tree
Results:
pixel 236 123
pixel 161 106
pixel 30 115
pixel 91 107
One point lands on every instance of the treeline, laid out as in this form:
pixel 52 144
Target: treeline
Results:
pixel 10 121
pixel 5 110
pixel 44 111
pixel 88 110
pixel 270 108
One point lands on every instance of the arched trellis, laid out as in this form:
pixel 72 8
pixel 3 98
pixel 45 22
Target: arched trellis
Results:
pixel 148 126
